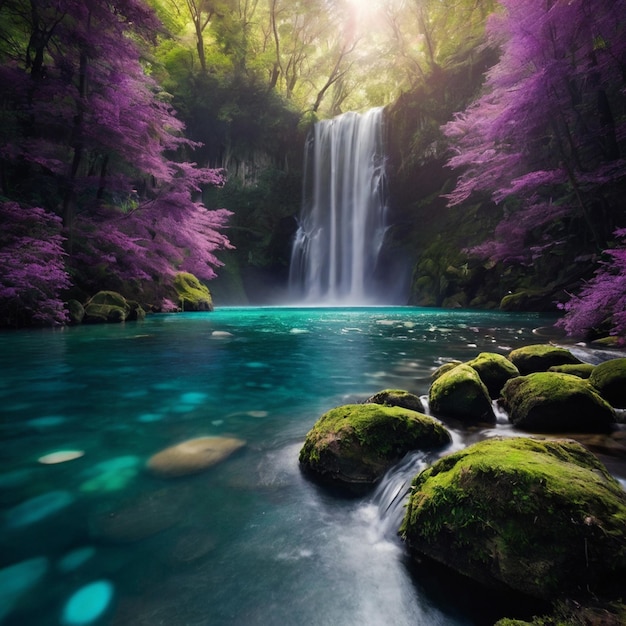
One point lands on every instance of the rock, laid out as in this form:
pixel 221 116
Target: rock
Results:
pixel 550 402
pixel 494 370
pixel 38 508
pixel 192 294
pixel 460 394
pixel 540 358
pixel 141 517
pixel 544 518
pixel 609 378
pixel 192 456
pixel 136 313
pixel 582 370
pixel 106 306
pixel 76 311
pixel 17 580
pixel 353 445
pixel 87 604
pixel 442 369
pixel 397 397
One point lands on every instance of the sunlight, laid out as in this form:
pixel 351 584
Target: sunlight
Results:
pixel 366 11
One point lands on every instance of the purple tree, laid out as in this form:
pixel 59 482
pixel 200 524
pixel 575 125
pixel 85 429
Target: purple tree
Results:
pixel 33 266
pixel 546 140
pixel 92 136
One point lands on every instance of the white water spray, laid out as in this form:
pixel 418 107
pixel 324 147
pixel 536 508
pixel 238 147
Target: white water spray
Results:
pixel 342 225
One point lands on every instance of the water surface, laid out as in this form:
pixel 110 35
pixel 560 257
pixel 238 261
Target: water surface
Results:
pixel 250 541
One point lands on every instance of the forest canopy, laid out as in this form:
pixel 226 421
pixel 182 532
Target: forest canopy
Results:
pixel 120 116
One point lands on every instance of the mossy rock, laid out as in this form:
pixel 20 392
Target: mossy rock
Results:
pixel 544 518
pixel 106 306
pixel 540 358
pixel 397 397
pixel 442 369
pixel 573 613
pixel 353 445
pixel 494 370
pixel 192 294
pixel 137 313
pixel 582 370
pixel 460 394
pixel 550 402
pixel 76 311
pixel 609 378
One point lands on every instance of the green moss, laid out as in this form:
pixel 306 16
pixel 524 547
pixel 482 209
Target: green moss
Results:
pixel 582 370
pixel 609 378
pixel 356 443
pixel 192 294
pixel 460 394
pixel 541 517
pixel 555 402
pixel 106 306
pixel 540 357
pixel 494 370
pixel 397 397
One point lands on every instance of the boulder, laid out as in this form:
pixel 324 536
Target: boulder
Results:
pixel 460 393
pixel 540 358
pixel 136 313
pixel 192 294
pixel 582 370
pixel 353 445
pixel 609 378
pixel 397 397
pixel 76 311
pixel 550 402
pixel 106 306
pixel 494 370
pixel 442 369
pixel 543 518
pixel 192 456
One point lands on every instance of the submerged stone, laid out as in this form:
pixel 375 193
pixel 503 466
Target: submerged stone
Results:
pixel 74 559
pixel 538 516
pixel 17 579
pixel 38 508
pixel 609 378
pixel 540 358
pixel 60 456
pixel 87 604
pixel 111 475
pixel 551 402
pixel 192 456
pixel 353 445
pixel 460 394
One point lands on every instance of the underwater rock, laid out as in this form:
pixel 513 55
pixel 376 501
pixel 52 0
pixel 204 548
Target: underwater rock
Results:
pixel 550 402
pixel 87 604
pixel 353 445
pixel 139 518
pixel 609 378
pixel 543 517
pixel 38 508
pixel 17 579
pixel 494 370
pixel 192 456
pixel 111 475
pixel 60 456
pixel 397 397
pixel 540 358
pixel 74 559
pixel 460 394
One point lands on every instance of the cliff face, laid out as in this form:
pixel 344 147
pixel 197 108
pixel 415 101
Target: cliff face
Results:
pixel 434 237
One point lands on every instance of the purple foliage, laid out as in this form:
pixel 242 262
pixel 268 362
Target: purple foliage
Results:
pixel 546 140
pixel 103 146
pixel 33 266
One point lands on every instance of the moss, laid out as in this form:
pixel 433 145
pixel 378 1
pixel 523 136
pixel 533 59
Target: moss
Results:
pixel 192 294
pixel 582 370
pixel 357 443
pixel 494 370
pixel 106 306
pixel 540 357
pixel 442 369
pixel 397 397
pixel 540 517
pixel 555 402
pixel 460 394
pixel 609 378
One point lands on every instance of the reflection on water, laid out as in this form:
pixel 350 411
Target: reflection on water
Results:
pixel 89 536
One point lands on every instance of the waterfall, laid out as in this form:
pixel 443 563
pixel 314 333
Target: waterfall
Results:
pixel 342 224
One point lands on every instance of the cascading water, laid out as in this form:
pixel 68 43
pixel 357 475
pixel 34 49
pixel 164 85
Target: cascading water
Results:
pixel 342 224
